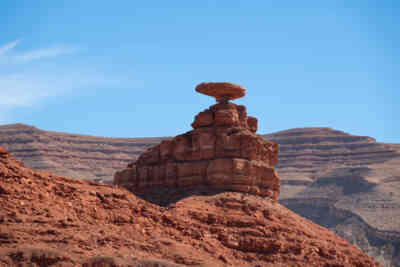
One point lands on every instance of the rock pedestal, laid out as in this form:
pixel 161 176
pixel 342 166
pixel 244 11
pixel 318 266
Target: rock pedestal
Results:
pixel 222 151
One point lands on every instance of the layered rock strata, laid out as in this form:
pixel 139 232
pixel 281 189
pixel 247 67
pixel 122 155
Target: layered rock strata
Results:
pixel 49 220
pixel 306 155
pixel 222 151
pixel 72 155
pixel 222 92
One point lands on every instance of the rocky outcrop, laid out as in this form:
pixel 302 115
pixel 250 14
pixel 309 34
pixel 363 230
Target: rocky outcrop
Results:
pixel 49 220
pixel 223 151
pixel 360 175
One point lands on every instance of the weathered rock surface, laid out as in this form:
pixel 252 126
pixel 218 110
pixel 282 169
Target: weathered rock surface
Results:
pixel 72 155
pixel 311 161
pixel 221 91
pixel 49 220
pixel 349 184
pixel 222 152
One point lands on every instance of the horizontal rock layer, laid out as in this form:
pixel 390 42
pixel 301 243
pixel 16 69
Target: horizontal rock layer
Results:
pixel 223 151
pixel 49 220
pixel 320 154
pixel 316 147
pixel 350 184
pixel 72 155
pixel 222 91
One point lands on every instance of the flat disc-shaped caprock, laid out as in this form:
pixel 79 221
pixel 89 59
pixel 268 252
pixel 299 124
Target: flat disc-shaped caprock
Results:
pixel 222 91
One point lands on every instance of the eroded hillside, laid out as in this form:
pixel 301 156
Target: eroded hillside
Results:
pixel 71 155
pixel 49 220
pixel 350 184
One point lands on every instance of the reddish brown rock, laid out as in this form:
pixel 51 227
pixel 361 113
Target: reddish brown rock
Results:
pixel 225 114
pixel 3 151
pixel 205 118
pixel 221 91
pixel 223 151
pixel 252 123
pixel 49 220
pixel 306 156
pixel 126 176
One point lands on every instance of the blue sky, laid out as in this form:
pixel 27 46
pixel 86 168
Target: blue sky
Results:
pixel 129 68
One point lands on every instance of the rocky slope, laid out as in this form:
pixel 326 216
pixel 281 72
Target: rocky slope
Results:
pixel 305 153
pixel 350 184
pixel 49 220
pixel 347 183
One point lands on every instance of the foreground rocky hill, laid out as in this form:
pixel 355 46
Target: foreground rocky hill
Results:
pixel 349 184
pixel 49 220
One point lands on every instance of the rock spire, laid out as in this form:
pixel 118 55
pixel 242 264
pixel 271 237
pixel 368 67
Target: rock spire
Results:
pixel 222 151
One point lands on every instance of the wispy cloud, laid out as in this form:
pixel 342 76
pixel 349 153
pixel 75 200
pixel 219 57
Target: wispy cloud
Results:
pixel 46 53
pixel 18 90
pixel 29 77
pixel 7 47
pixel 9 56
pixel 28 89
pixel 24 86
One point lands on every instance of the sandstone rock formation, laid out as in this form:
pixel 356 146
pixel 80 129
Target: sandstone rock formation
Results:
pixel 223 151
pixel 49 220
pixel 358 177
pixel 221 91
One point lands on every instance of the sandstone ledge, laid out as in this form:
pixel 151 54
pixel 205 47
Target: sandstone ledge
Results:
pixel 221 152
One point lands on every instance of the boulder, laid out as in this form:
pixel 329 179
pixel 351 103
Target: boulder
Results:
pixel 222 91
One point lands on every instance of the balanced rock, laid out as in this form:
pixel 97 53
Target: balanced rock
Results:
pixel 222 151
pixel 221 91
